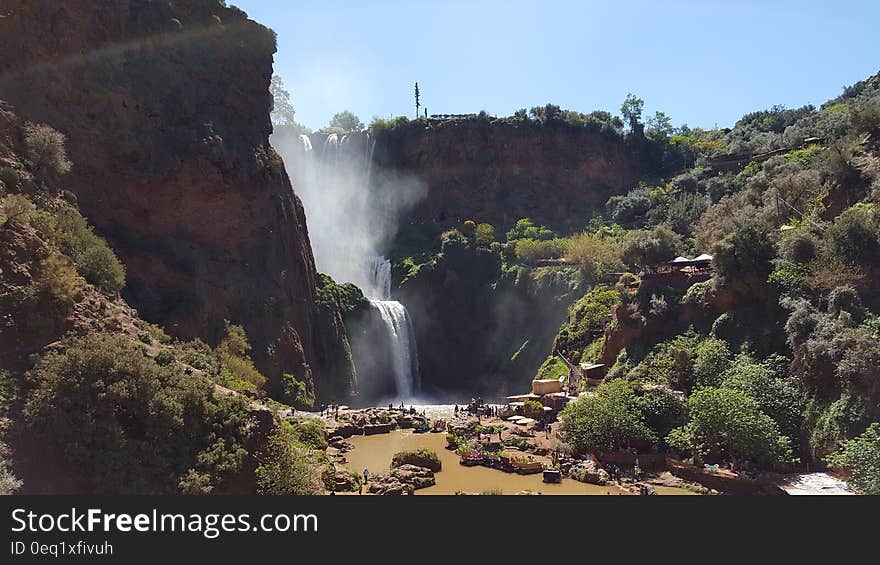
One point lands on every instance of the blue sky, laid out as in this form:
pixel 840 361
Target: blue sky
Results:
pixel 702 62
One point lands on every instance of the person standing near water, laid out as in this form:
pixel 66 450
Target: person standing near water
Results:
pixel 366 476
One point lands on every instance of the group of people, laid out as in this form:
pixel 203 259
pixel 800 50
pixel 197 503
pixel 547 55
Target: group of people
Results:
pixel 330 410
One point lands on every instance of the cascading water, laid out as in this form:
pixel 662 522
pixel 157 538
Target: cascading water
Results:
pixel 404 356
pixel 349 214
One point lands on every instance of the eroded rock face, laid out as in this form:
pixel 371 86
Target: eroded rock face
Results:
pixel 500 172
pixel 166 110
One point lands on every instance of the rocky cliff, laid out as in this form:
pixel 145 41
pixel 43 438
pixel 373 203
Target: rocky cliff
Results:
pixel 166 110
pixel 499 172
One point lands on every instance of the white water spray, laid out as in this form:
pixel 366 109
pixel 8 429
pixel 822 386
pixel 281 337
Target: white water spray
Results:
pixel 352 217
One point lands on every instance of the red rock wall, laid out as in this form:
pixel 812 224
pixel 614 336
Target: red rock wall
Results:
pixel 166 109
pixel 501 172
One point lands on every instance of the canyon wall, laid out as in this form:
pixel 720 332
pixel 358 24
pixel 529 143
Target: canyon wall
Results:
pixel 503 171
pixel 166 110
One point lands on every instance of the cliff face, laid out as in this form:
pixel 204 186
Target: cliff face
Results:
pixel 501 172
pixel 166 110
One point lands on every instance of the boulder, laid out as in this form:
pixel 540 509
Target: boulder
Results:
pixel 418 477
pixel 402 480
pixel 589 472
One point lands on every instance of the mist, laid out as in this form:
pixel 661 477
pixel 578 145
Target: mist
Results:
pixel 352 209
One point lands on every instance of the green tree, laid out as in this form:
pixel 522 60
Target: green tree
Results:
pixel 646 248
pixel 860 456
pixel 606 421
pixel 713 357
pixel 660 127
pixel 282 113
pixel 725 422
pixel 631 109
pixel 346 121
pixel 287 467
pixel 747 253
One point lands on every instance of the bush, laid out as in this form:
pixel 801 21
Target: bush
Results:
pixel 599 255
pixel 533 409
pixel 311 433
pixel 16 207
pixel 854 237
pixel 94 259
pixel 237 371
pixel 9 483
pixel 646 248
pixel 123 424
pixel 713 357
pixel 726 422
pixel 419 458
pixel 485 235
pixel 58 280
pixel 607 421
pixel 165 357
pixel 286 469
pixel 861 458
pixel 296 391
pixel 662 408
pixel 45 149
pixel 747 253
pixel 532 250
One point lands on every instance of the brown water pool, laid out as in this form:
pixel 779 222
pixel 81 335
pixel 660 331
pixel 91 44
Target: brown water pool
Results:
pixel 375 453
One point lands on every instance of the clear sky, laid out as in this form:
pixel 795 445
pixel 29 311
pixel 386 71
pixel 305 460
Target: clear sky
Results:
pixel 702 62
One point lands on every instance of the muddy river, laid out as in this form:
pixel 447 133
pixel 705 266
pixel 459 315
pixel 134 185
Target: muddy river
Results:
pixel 375 453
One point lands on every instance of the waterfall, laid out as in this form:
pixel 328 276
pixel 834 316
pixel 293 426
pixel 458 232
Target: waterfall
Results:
pixel 351 221
pixel 404 357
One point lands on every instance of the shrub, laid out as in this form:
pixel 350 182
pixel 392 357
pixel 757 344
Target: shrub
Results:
pixel 713 357
pixel 157 333
pixel 598 254
pixel 730 423
pixel 311 433
pixel 58 280
pixel 45 149
pixel 861 458
pixel 854 237
pixel 8 179
pixel 746 253
pixel 237 371
pixel 533 409
pixel 9 483
pixel 198 355
pixel 94 259
pixel 419 458
pixel 606 421
pixel 662 408
pixel 645 248
pixel 165 357
pixel 532 250
pixel 16 207
pixel 285 468
pixel 485 235
pixel 123 424
pixel 296 391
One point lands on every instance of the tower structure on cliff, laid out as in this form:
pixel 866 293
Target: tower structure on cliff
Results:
pixel 418 101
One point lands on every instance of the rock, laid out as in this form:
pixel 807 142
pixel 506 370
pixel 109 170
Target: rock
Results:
pixel 402 480
pixel 345 481
pixel 418 477
pixel 220 230
pixel 589 472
